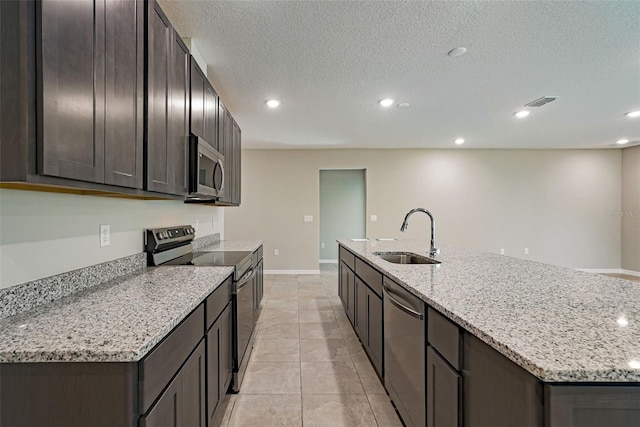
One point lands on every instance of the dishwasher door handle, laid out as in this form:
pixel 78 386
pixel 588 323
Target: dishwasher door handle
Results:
pixel 245 279
pixel 402 307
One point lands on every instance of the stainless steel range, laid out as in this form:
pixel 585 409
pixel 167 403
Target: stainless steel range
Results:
pixel 172 246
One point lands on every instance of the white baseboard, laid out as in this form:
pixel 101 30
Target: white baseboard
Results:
pixel 292 272
pixel 328 261
pixel 610 270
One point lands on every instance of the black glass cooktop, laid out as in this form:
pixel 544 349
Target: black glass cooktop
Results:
pixel 233 259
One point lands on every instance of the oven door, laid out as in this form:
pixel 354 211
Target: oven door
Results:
pixel 244 325
pixel 206 171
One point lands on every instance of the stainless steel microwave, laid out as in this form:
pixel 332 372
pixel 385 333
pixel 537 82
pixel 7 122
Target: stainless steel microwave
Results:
pixel 206 171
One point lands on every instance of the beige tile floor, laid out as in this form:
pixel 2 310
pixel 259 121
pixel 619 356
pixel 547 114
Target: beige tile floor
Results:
pixel 308 367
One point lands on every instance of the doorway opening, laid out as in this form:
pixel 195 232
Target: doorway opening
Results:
pixel 342 209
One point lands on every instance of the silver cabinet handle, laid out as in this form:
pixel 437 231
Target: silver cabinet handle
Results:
pixel 402 307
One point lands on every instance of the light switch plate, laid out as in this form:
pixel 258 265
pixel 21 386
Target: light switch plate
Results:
pixel 105 235
pixel 308 218
pixel 374 218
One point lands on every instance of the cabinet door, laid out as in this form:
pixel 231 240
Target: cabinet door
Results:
pixel 167 106
pixel 178 128
pixel 342 284
pixel 237 167
pixel 193 389
pixel 443 392
pixel 351 298
pixel 213 369
pixel 375 330
pixel 225 350
pixel 71 94
pixel 210 117
pixel 167 412
pixel 360 322
pixel 225 146
pixel 197 100
pixel 124 93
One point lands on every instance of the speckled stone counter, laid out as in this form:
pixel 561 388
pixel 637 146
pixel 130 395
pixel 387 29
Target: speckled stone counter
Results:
pixel 118 321
pixel 233 245
pixel 557 323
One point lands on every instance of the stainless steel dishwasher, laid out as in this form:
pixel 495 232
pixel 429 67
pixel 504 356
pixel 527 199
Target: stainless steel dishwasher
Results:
pixel 404 352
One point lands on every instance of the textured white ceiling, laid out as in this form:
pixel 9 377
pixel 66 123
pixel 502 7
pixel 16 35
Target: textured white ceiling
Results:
pixel 331 61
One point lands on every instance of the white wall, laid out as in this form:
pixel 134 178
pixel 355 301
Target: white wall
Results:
pixel 554 202
pixel 342 208
pixel 43 234
pixel 631 208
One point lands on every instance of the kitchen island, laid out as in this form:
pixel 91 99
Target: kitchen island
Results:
pixel 557 346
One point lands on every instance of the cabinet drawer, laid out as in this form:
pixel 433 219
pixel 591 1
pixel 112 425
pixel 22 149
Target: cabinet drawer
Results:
pixel 371 276
pixel 348 258
pixel 157 369
pixel 444 336
pixel 218 300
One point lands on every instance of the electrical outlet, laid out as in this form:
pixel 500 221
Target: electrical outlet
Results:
pixel 374 218
pixel 526 251
pixel 308 218
pixel 322 245
pixel 197 224
pixel 501 251
pixel 105 235
pixel 276 252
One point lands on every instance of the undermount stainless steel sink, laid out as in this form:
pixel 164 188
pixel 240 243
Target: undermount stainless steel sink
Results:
pixel 405 258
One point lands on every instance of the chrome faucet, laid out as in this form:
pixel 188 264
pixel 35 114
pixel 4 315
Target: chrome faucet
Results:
pixel 433 251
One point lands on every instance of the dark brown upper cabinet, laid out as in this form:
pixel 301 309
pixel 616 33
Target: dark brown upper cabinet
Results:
pixel 90 90
pixel 225 146
pixel 204 107
pixel 168 100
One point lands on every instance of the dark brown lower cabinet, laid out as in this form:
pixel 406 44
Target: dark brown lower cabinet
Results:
pixel 218 361
pixel 368 322
pixel 348 290
pixel 443 392
pixel 183 403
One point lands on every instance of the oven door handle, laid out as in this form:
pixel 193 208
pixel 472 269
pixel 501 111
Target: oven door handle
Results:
pixel 246 278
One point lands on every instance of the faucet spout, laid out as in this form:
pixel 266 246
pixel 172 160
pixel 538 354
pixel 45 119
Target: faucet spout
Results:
pixel 405 224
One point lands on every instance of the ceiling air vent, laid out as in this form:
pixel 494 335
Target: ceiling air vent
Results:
pixel 541 101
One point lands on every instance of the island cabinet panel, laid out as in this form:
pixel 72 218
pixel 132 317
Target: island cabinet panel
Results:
pixel 443 392
pixel 592 405
pixel 90 91
pixel 346 283
pixel 168 106
pixel 496 391
pixel 68 394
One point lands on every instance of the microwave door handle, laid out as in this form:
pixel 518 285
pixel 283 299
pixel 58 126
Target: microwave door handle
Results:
pixel 222 174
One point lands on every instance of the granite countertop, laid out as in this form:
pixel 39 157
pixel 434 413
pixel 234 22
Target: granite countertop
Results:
pixel 559 324
pixel 233 245
pixel 118 321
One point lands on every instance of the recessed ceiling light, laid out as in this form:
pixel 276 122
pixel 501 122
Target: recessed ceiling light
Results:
pixel 522 114
pixel 403 105
pixel 633 114
pixel 387 102
pixel 273 103
pixel 622 141
pixel 622 321
pixel 458 51
pixel 459 141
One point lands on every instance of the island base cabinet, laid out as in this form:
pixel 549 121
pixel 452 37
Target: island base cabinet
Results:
pixel 347 288
pixel 182 404
pixel 592 406
pixel 496 391
pixel 443 392
pixel 68 394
